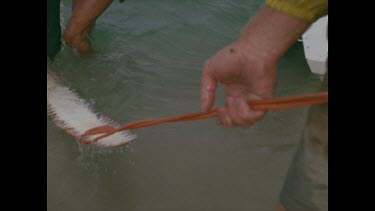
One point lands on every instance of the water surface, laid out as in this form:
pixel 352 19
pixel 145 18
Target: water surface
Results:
pixel 147 63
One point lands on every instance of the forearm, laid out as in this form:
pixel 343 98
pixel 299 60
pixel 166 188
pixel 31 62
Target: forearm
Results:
pixel 270 33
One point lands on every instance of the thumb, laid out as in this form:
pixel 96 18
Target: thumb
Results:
pixel 208 87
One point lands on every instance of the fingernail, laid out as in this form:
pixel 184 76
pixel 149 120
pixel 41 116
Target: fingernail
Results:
pixel 228 120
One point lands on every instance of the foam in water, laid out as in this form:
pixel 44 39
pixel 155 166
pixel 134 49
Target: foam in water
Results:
pixel 74 115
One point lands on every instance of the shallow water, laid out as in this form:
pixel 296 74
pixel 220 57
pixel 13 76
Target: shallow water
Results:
pixel 147 63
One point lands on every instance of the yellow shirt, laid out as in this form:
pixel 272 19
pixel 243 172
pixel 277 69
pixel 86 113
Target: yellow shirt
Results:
pixel 309 10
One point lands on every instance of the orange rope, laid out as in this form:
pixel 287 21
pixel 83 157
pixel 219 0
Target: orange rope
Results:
pixel 261 104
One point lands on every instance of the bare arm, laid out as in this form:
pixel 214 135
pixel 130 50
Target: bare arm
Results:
pixel 272 32
pixel 85 13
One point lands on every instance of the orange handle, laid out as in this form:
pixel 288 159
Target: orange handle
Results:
pixel 261 104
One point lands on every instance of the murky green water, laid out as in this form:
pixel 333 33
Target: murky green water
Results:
pixel 148 64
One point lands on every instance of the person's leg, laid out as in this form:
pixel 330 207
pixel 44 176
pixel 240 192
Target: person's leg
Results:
pixel 53 28
pixel 85 13
pixel 306 184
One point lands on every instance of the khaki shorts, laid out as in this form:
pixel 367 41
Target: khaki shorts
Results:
pixel 306 184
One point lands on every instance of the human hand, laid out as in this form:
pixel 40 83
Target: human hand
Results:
pixel 246 74
pixel 247 66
